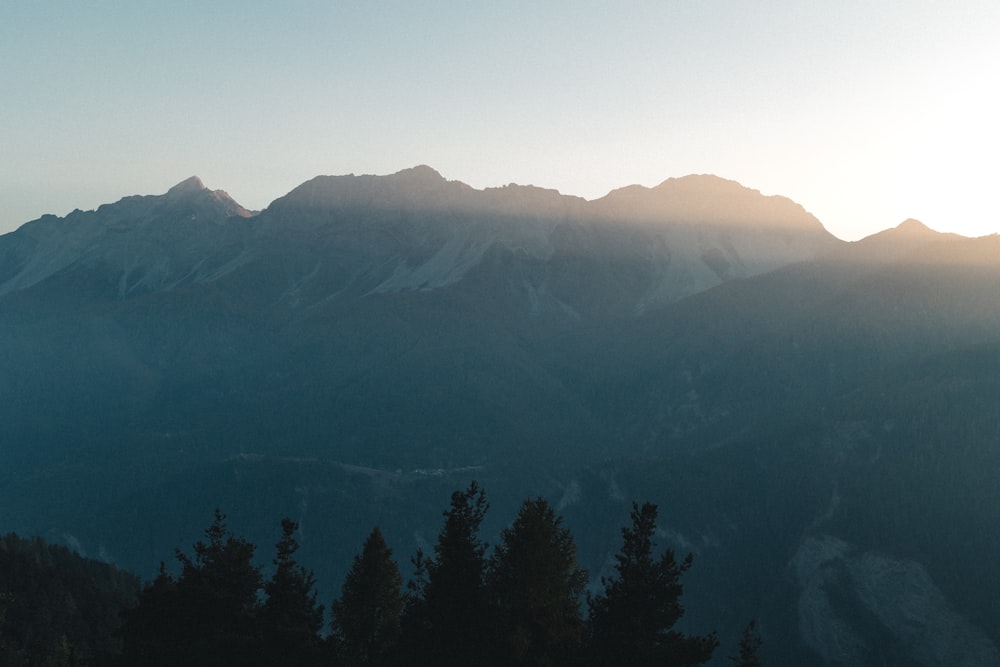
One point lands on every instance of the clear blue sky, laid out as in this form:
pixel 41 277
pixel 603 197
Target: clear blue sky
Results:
pixel 866 113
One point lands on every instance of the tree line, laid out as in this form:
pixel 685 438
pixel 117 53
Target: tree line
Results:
pixel 522 604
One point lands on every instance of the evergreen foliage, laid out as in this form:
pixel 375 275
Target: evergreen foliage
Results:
pixel 750 644
pixel 519 606
pixel 218 588
pixel 56 607
pixel 366 617
pixel 291 619
pixel 632 622
pixel 211 613
pixel 153 628
pixel 448 614
pixel 537 585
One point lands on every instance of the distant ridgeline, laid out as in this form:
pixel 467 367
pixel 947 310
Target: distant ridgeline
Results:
pixel 817 420
pixel 522 604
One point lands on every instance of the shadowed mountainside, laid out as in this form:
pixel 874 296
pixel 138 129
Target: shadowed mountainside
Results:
pixel 817 419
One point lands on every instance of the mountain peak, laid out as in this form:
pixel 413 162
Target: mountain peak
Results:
pixel 913 226
pixel 701 182
pixel 910 230
pixel 193 189
pixel 421 171
pixel 192 184
pixel 907 240
pixel 707 200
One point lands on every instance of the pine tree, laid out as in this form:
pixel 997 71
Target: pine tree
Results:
pixel 219 589
pixel 153 630
pixel 537 586
pixel 366 617
pixel 631 622
pixel 290 619
pixel 750 644
pixel 447 613
pixel 208 615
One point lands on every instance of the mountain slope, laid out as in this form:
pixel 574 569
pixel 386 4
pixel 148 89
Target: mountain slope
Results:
pixel 797 405
pixel 149 243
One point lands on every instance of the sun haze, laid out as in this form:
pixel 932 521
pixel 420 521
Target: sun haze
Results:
pixel 865 113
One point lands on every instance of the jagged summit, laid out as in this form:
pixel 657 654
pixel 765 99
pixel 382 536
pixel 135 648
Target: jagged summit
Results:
pixel 141 242
pixel 192 184
pixel 194 189
pixel 415 229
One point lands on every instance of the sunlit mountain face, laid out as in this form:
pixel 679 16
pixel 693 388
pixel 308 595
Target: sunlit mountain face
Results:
pixel 816 419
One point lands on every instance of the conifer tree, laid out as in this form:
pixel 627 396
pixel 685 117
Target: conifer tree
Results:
pixel 219 589
pixel 750 644
pixel 366 616
pixel 208 615
pixel 290 619
pixel 537 586
pixel 632 622
pixel 153 629
pixel 447 613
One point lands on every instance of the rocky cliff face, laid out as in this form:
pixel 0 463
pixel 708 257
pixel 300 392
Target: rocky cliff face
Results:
pixel 859 608
pixel 143 243
pixel 416 231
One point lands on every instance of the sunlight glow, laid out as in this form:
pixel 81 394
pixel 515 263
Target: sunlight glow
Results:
pixel 864 114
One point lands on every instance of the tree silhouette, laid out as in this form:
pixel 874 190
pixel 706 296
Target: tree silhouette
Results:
pixel 366 617
pixel 208 616
pixel 537 586
pixel 447 614
pixel 750 644
pixel 154 628
pixel 290 619
pixel 631 622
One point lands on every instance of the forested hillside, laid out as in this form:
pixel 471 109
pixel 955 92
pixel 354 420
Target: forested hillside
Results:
pixel 57 608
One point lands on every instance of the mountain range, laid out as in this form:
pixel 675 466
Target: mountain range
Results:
pixel 817 419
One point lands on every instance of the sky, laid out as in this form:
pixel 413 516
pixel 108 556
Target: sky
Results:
pixel 865 113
